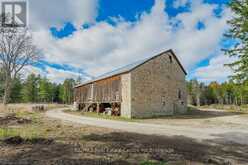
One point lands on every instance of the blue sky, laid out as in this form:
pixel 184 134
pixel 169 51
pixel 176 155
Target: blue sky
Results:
pixel 105 32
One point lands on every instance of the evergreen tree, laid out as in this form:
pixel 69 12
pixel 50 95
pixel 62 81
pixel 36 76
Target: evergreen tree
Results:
pixel 67 91
pixel 239 32
pixel 1 84
pixel 61 93
pixel 16 94
pixel 79 80
pixel 44 91
pixel 56 93
pixel 30 89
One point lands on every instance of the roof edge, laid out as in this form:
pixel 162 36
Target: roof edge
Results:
pixel 160 54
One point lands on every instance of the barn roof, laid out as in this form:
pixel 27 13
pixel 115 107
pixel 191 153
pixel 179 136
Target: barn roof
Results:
pixel 129 68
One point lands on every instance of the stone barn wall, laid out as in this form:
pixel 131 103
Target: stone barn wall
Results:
pixel 126 95
pixel 158 88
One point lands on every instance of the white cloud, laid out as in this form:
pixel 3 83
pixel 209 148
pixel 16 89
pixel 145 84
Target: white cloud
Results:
pixel 53 74
pixel 47 13
pixel 104 47
pixel 179 3
pixel 215 71
pixel 60 75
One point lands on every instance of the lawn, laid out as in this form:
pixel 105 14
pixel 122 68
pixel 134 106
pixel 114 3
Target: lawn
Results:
pixel 231 108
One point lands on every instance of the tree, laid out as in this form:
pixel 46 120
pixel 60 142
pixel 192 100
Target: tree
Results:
pixel 67 91
pixel 1 83
pixel 16 94
pixel 190 92
pixel 44 90
pixel 196 88
pixel 16 51
pixel 217 92
pixel 30 89
pixel 61 93
pixel 239 32
pixel 79 80
pixel 55 93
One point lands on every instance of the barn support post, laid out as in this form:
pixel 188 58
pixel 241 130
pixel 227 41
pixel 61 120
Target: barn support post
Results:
pixel 97 108
pixel 76 106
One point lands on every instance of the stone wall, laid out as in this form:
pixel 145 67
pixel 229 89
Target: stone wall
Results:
pixel 126 95
pixel 155 88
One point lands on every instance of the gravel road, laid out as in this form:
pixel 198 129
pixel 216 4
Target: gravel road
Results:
pixel 229 134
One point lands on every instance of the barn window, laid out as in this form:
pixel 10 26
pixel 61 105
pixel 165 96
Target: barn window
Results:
pixel 170 59
pixel 179 94
pixel 163 100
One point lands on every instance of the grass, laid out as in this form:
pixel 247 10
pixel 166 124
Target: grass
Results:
pixel 25 131
pixel 32 115
pixel 7 132
pixel 232 108
pixel 14 108
pixel 152 163
pixel 101 116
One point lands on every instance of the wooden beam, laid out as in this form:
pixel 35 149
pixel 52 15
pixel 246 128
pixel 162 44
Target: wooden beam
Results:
pixel 97 107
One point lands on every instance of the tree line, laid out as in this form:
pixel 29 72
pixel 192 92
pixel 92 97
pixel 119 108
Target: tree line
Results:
pixel 217 93
pixel 37 89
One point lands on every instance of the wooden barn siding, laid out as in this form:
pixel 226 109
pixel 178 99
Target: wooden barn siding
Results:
pixel 104 91
pixel 83 93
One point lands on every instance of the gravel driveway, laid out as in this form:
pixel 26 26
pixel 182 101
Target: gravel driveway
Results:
pixel 237 134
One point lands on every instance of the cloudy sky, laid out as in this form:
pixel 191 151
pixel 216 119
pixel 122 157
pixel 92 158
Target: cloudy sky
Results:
pixel 90 37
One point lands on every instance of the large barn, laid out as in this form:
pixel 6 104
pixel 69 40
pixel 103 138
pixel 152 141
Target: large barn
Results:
pixel 152 87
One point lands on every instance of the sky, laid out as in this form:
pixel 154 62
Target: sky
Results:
pixel 90 37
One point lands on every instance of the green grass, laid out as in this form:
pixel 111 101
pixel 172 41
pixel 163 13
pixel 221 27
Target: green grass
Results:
pixel 233 108
pixel 152 163
pixel 24 132
pixel 7 132
pixel 30 130
pixel 101 116
pixel 34 116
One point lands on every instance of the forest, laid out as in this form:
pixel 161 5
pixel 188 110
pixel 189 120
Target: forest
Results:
pixel 37 89
pixel 227 93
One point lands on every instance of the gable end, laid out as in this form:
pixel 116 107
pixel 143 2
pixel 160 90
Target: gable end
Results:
pixel 161 54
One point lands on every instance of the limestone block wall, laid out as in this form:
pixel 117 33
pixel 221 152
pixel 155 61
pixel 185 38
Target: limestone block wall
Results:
pixel 126 95
pixel 155 88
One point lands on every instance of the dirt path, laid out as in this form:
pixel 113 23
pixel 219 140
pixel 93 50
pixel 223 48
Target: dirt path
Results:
pixel 238 135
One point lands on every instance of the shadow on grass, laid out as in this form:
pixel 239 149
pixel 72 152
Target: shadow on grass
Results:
pixel 55 153
pixel 127 148
pixel 216 151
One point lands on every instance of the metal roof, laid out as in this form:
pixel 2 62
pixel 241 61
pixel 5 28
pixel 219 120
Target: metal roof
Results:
pixel 127 68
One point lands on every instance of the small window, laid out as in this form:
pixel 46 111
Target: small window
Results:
pixel 179 94
pixel 170 59
pixel 163 100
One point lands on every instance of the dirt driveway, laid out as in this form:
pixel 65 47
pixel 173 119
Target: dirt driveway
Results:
pixel 214 125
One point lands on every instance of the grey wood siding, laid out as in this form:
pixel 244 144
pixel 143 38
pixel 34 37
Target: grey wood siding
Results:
pixel 103 91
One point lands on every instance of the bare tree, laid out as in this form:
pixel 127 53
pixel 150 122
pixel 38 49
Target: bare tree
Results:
pixel 16 51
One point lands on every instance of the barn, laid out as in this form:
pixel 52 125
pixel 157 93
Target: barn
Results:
pixel 151 87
